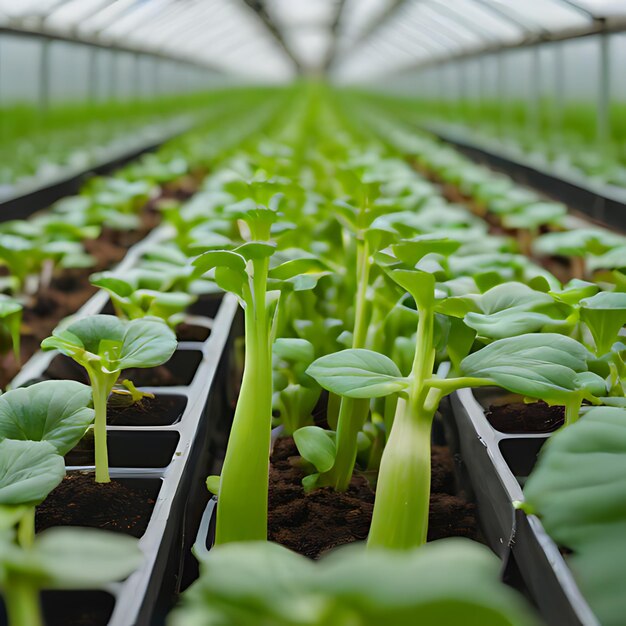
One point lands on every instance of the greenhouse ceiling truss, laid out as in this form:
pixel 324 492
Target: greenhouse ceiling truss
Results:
pixel 356 40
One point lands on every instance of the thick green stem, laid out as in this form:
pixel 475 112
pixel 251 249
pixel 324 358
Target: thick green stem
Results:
pixel 243 492
pixel 400 518
pixel 22 602
pixel 572 410
pixel 352 416
pixel 100 390
pixel 352 413
pixel 360 311
pixel 26 529
pixel 332 413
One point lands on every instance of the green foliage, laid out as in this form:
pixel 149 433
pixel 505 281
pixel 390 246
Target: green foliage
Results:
pixel 447 582
pixel 578 491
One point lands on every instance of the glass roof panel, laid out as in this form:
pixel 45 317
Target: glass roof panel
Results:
pixel 257 37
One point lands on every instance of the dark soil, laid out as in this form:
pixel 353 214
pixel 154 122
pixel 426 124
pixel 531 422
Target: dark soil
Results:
pixel 160 376
pixel 521 418
pixel 80 501
pixel 77 608
pixel 313 523
pixel 192 332
pixel 178 371
pixel 162 410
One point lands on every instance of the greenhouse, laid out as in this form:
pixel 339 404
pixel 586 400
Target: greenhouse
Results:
pixel 312 313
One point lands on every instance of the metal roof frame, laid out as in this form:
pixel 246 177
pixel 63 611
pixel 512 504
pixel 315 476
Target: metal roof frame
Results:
pixel 177 27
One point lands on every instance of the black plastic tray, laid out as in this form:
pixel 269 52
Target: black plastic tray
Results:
pixel 496 464
pixel 171 459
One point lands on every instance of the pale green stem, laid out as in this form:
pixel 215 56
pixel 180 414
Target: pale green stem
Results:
pixel 22 602
pixel 572 410
pixel 400 518
pixel 101 387
pixel 352 413
pixel 332 413
pixel 26 529
pixel 243 492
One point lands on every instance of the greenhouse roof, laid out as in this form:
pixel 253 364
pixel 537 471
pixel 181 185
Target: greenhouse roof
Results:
pixel 274 39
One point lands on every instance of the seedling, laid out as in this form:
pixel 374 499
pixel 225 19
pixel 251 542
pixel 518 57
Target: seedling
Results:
pixel 105 345
pixel 59 558
pixel 245 271
pixel 548 366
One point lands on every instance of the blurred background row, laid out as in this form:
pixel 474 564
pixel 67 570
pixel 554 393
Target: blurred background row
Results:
pixel 544 77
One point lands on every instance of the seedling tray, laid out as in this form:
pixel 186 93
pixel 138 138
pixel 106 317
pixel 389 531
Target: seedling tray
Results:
pixel 170 459
pixel 497 465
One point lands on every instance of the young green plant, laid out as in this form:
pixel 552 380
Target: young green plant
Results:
pixel 105 345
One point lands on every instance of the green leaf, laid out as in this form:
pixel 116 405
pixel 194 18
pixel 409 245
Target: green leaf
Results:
pixel 54 411
pixel 113 343
pixel 358 373
pixel 452 581
pixel 317 446
pixel 513 309
pixel 540 366
pixel 111 283
pixel 29 471
pixel 420 285
pixel 410 251
pixel 146 343
pixel 213 484
pixel 256 250
pixel 220 258
pixel 578 490
pixel 293 349
pixel 82 558
pixel 297 267
pixel 605 315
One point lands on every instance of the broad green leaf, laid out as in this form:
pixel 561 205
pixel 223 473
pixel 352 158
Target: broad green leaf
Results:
pixel 146 343
pixel 296 267
pixel 540 366
pixel 293 349
pixel 577 242
pixel 534 215
pixel 578 491
pixel 111 283
pixel 85 335
pixel 574 291
pixel 452 581
pixel 513 309
pixel 605 315
pixel 411 251
pixel 115 344
pixel 82 558
pixel 317 446
pixel 420 285
pixel 358 373
pixel 220 258
pixel 54 411
pixel 29 471
pixel 256 250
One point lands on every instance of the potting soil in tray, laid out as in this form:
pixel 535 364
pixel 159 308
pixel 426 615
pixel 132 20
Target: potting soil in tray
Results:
pixel 192 332
pixel 116 506
pixel 521 418
pixel 178 371
pixel 312 523
pixel 162 410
